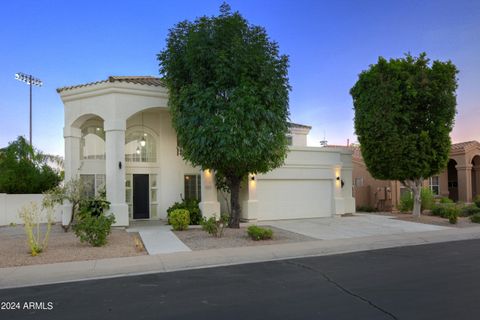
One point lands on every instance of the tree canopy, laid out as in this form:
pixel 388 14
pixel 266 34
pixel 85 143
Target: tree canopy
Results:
pixel 24 169
pixel 228 96
pixel 404 113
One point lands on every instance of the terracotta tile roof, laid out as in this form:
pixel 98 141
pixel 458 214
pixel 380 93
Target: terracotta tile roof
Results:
pixel 297 125
pixel 464 145
pixel 146 80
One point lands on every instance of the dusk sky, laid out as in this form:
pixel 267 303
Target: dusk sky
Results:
pixel 329 44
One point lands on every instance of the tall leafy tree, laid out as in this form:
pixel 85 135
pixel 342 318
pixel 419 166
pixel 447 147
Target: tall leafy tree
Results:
pixel 24 169
pixel 404 113
pixel 228 97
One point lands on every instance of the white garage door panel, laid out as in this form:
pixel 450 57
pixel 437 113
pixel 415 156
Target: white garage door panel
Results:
pixel 294 199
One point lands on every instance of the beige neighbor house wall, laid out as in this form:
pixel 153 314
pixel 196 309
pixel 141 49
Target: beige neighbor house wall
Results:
pixel 105 125
pixel 460 181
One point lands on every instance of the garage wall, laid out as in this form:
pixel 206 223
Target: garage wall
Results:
pixel 293 199
pixel 306 186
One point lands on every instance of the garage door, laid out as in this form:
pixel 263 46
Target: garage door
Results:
pixel 294 199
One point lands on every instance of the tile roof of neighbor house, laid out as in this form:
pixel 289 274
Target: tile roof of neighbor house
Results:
pixel 465 145
pixel 146 80
pixel 456 147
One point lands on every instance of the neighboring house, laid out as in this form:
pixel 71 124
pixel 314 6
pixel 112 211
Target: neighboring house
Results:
pixel 118 135
pixel 460 181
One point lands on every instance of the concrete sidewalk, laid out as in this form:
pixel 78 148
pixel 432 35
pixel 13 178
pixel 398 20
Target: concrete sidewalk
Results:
pixel 158 238
pixel 94 269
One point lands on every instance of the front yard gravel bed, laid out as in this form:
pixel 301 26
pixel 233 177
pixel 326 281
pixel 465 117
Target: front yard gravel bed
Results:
pixel 62 247
pixel 197 239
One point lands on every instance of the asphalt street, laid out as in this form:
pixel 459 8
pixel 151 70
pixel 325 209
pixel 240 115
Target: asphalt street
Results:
pixel 438 281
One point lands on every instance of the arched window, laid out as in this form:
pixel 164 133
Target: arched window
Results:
pixel 140 146
pixel 92 143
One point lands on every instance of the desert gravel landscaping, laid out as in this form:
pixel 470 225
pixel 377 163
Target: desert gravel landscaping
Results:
pixel 62 247
pixel 197 239
pixel 427 218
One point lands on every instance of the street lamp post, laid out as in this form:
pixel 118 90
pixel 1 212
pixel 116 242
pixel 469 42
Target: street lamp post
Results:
pixel 31 81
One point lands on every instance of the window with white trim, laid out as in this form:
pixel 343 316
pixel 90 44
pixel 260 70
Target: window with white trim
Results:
pixel 434 184
pixel 93 184
pixel 192 183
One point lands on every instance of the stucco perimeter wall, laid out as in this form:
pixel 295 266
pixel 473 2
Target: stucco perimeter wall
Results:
pixel 306 186
pixel 10 204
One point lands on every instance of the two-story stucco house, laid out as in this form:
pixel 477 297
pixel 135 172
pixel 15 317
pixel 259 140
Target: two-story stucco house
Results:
pixel 118 134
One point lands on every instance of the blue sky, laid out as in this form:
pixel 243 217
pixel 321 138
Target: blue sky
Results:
pixel 329 43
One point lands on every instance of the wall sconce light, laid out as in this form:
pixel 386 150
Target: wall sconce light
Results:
pixel 338 178
pixel 252 178
pixel 120 165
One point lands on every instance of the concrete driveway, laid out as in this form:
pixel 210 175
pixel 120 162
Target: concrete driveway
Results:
pixel 359 225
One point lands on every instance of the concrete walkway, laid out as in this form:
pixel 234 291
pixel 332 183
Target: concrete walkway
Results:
pixel 359 225
pixel 105 268
pixel 158 237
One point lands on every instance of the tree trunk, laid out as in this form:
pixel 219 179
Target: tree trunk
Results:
pixel 235 203
pixel 416 187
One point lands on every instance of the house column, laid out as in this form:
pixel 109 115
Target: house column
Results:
pixel 347 190
pixel 115 169
pixel 72 137
pixel 250 205
pixel 464 182
pixel 209 204
pixel 476 177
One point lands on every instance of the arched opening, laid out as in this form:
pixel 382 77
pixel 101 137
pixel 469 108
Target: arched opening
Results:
pixel 452 180
pixel 475 176
pixel 140 146
pixel 92 142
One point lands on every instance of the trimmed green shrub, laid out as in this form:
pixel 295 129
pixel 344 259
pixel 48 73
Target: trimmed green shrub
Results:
pixel 453 218
pixel 445 210
pixel 259 233
pixel 445 200
pixel 469 210
pixel 366 209
pixel 476 200
pixel 93 226
pixel 213 226
pixel 95 206
pixel 475 218
pixel 406 202
pixel 179 219
pixel 191 206
pixel 427 198
pixel 94 229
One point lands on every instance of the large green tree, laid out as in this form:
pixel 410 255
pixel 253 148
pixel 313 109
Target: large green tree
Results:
pixel 228 97
pixel 404 113
pixel 24 169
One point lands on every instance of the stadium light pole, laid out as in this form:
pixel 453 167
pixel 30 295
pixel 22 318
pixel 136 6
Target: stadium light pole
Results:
pixel 31 81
